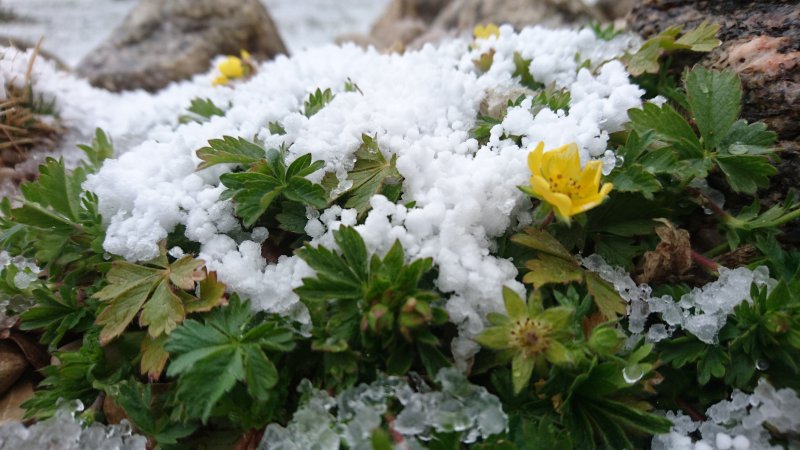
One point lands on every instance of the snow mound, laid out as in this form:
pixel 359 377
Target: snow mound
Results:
pixel 420 105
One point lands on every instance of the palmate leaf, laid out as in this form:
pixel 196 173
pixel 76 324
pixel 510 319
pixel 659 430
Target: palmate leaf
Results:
pixel 210 357
pixel 316 101
pixel 56 314
pixel 270 180
pixel 746 173
pixel 555 264
pixel 669 126
pixel 634 178
pixel 715 100
pixel 142 408
pixel 372 174
pixel 229 150
pixel 157 292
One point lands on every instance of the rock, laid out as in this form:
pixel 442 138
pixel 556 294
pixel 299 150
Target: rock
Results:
pixel 12 365
pixel 416 22
pixel 11 402
pixel 761 42
pixel 164 41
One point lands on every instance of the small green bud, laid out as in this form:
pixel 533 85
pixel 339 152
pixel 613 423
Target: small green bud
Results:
pixel 604 340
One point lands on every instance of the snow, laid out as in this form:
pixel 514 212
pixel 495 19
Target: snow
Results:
pixel 420 106
pixel 323 422
pixel 739 423
pixel 65 431
pixel 702 312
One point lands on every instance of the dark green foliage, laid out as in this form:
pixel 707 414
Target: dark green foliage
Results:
pixel 371 309
pixel 228 347
pixel 372 174
pixel 267 183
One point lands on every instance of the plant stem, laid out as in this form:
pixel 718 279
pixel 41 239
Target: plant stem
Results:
pixel 718 250
pixel 547 220
pixel 705 263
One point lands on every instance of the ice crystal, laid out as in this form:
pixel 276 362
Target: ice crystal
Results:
pixel 738 424
pixel 65 431
pixel 702 312
pixel 326 423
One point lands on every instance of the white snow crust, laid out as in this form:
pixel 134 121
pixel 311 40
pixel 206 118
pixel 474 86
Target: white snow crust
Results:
pixel 420 105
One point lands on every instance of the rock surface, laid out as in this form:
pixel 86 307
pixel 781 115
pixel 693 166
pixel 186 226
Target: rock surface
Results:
pixel 415 22
pixel 12 365
pixel 164 41
pixel 761 42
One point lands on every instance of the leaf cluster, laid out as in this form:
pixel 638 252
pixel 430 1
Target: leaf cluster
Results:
pixel 371 175
pixel 268 191
pixel 369 312
pixel 700 39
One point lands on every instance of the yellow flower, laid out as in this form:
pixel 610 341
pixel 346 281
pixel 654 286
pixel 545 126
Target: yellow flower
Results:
pixel 233 67
pixel 557 179
pixel 484 31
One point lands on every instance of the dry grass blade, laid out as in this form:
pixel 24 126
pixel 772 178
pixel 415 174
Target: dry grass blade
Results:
pixel 21 128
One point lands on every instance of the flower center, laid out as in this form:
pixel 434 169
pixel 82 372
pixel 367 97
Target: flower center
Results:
pixel 530 336
pixel 565 185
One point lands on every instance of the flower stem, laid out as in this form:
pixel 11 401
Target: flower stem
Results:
pixel 705 263
pixel 547 220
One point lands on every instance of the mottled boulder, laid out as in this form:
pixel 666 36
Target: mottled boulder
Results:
pixel 164 41
pixel 760 41
pixel 415 22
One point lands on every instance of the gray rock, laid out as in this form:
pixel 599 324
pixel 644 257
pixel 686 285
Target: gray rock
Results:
pixel 162 41
pixel 416 22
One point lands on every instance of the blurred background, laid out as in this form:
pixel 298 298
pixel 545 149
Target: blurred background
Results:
pixel 72 28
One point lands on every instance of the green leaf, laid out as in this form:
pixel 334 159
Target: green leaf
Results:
pixel 712 365
pixel 543 242
pixel 715 100
pixel 56 189
pixel 211 357
pixel 668 126
pixel 746 173
pixel 316 101
pixel 163 312
pixel 607 300
pixel 229 150
pixel 158 290
pixel 100 150
pixel 142 407
pixel 495 338
pixel 204 108
pixel 372 175
pixel 550 269
pixel 522 70
pixel 701 39
pixel 634 178
pixel 521 371
pixel 154 356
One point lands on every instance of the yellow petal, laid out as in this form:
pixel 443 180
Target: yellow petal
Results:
pixel 590 179
pixel 245 54
pixel 540 186
pixel 485 31
pixel 561 202
pixel 232 67
pixel 535 159
pixel 220 80
pixel 587 203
